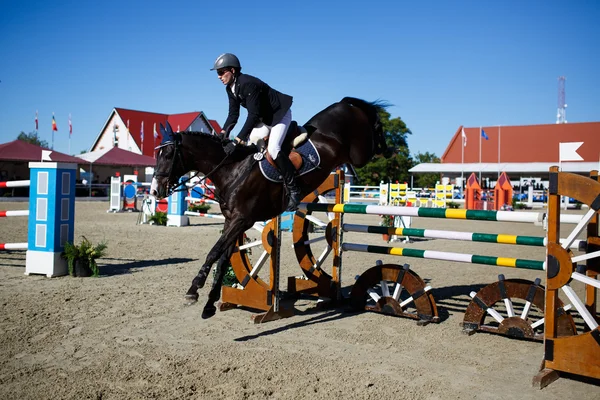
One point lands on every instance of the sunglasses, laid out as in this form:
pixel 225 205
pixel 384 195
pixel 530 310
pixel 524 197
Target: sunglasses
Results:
pixel 223 71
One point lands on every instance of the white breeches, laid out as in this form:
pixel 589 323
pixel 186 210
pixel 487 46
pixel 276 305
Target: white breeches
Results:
pixel 276 134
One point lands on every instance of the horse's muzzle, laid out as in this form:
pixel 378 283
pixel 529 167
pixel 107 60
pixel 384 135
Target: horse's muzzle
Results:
pixel 157 190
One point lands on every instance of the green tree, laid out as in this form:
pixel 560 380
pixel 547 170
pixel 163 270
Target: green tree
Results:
pixel 395 168
pixel 32 138
pixel 426 180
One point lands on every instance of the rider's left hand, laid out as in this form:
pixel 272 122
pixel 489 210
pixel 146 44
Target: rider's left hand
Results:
pixel 230 147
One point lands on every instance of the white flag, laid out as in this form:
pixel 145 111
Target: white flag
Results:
pixel 568 151
pixel 46 155
pixel 464 137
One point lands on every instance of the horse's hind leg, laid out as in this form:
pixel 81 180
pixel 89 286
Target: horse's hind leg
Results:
pixel 215 292
pixel 231 231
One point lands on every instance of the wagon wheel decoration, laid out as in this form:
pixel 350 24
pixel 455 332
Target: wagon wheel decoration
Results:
pixel 313 234
pixel 579 354
pixel 247 274
pixel 395 290
pixel 515 308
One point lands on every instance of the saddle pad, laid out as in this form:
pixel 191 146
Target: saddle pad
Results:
pixel 310 161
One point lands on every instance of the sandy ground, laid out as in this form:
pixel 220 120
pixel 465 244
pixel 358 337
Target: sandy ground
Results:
pixel 128 334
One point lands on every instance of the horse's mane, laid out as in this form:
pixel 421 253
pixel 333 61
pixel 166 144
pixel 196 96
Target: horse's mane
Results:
pixel 372 109
pixel 214 138
pixel 240 153
pixel 377 105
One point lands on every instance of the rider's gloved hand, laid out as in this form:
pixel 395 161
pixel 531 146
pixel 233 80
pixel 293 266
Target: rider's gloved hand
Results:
pixel 230 147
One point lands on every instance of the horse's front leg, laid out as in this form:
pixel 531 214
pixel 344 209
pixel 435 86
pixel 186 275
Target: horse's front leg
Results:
pixel 232 229
pixel 215 292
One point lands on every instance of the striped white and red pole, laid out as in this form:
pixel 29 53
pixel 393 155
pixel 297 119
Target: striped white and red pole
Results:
pixel 14 184
pixel 14 213
pixel 13 246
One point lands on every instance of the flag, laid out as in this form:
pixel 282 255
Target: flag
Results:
pixel 142 137
pixel 70 126
pixel 36 120
pixel 484 135
pixel 54 127
pixel 464 137
pixel 155 133
pixel 567 151
pixel 46 155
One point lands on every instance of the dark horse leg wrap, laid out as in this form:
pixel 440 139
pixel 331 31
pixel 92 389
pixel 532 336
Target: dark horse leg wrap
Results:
pixel 215 292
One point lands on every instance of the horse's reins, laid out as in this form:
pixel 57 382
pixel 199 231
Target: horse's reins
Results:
pixel 181 185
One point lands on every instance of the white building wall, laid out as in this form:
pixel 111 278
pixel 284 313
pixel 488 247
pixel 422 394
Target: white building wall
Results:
pixel 122 137
pixel 200 126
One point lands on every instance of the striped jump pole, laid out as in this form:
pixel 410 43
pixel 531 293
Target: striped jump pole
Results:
pixel 200 200
pixel 13 246
pixel 447 256
pixel 198 214
pixel 445 213
pixel 14 184
pixel 539 241
pixel 15 213
pixel 449 235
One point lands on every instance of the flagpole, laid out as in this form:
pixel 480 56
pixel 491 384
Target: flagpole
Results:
pixel 499 132
pixel 462 158
pixel 480 155
pixel 53 121
pixel 70 131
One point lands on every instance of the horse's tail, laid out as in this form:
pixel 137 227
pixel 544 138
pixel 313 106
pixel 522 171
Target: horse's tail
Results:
pixel 371 109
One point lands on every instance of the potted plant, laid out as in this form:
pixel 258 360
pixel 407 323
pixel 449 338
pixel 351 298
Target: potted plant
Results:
pixel 201 207
pixel 158 218
pixel 81 259
pixel 387 221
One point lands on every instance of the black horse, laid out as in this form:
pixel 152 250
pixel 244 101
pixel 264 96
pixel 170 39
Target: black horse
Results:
pixel 346 132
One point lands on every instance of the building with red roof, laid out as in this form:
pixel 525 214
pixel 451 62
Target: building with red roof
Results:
pixel 521 151
pixel 15 157
pixel 139 131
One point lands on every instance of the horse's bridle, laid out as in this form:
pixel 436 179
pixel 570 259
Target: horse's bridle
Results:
pixel 177 186
pixel 181 185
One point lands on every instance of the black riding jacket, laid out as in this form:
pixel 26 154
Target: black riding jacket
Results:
pixel 263 103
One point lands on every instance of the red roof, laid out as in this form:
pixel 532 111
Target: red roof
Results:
pixel 215 125
pixel 519 144
pixel 19 150
pixel 134 119
pixel 117 156
pixel 181 122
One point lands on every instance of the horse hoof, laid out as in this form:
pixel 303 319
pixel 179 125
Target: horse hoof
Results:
pixel 191 299
pixel 208 312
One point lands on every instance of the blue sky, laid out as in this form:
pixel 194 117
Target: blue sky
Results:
pixel 441 64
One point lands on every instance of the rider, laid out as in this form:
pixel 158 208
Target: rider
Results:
pixel 268 110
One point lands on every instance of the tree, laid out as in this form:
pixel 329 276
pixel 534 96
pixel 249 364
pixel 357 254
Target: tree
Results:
pixel 426 180
pixel 395 168
pixel 32 138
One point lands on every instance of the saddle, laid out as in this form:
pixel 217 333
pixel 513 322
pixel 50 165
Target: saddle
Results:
pixel 296 136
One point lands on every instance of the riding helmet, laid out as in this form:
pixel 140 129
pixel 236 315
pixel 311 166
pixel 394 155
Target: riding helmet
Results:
pixel 227 60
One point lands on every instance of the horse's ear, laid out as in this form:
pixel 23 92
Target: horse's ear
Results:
pixel 169 129
pixel 162 130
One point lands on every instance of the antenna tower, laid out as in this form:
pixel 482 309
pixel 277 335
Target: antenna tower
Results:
pixel 561 115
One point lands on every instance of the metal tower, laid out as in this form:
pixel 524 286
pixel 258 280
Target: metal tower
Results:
pixel 561 115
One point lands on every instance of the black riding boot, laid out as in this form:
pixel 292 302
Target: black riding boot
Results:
pixel 288 172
